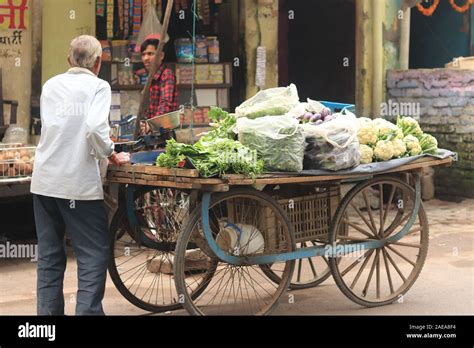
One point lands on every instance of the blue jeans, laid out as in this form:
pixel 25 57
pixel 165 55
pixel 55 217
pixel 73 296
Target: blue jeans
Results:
pixel 86 223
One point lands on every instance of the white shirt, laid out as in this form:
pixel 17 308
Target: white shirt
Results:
pixel 75 134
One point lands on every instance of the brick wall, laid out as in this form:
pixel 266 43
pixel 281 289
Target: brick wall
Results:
pixel 446 101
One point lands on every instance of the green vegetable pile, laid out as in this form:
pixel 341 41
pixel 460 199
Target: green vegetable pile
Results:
pixel 381 140
pixel 216 153
pixel 282 153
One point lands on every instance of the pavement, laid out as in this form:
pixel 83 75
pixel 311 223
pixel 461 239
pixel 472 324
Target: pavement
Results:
pixel 444 287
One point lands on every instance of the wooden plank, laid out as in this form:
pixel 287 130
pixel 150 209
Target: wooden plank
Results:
pixel 189 177
pixel 178 172
pixel 172 184
pixel 424 162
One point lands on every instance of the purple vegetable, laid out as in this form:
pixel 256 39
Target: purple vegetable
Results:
pixel 307 116
pixel 315 118
pixel 326 112
pixel 318 122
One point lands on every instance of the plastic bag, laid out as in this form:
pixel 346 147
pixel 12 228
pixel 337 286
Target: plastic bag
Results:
pixel 16 134
pixel 278 140
pixel 150 25
pixel 270 102
pixel 332 145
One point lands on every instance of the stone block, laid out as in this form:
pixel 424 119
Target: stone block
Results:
pixel 407 84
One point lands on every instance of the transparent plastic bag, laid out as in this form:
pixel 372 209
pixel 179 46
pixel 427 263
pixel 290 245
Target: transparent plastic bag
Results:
pixel 332 145
pixel 270 102
pixel 278 140
pixel 16 134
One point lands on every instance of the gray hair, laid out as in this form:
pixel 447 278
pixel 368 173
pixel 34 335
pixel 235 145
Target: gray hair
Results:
pixel 84 51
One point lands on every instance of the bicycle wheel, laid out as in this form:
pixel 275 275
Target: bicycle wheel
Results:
pixel 142 257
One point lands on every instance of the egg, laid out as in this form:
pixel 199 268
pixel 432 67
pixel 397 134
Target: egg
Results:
pixel 9 155
pixel 25 153
pixel 11 172
pixel 19 166
pixel 28 169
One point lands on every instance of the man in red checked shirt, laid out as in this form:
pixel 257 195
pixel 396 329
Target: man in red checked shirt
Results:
pixel 163 89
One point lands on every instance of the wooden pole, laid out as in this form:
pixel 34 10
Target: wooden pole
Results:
pixel 154 67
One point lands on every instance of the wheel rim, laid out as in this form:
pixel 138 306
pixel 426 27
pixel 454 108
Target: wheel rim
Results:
pixel 379 276
pixel 236 290
pixel 142 260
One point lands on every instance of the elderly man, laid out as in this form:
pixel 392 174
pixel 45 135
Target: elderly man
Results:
pixel 66 182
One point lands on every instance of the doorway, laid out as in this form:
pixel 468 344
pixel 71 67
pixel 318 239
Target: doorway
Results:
pixel 317 48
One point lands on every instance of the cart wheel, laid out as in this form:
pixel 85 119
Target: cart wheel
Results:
pixel 142 258
pixel 376 277
pixel 243 222
pixel 309 272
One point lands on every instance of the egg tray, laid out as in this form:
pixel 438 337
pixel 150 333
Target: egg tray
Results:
pixel 16 161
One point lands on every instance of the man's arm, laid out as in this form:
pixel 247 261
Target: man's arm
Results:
pixel 98 129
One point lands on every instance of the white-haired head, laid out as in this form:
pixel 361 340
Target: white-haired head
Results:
pixel 84 51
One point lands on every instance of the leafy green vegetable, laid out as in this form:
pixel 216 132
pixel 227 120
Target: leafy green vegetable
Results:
pixel 283 153
pixel 409 126
pixel 216 153
pixel 429 144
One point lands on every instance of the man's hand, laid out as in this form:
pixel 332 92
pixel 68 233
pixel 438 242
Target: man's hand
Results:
pixel 119 158
pixel 144 128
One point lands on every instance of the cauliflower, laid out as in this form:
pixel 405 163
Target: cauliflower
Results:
pixel 399 147
pixel 384 150
pixel 387 130
pixel 366 154
pixel 363 121
pixel 429 144
pixel 413 145
pixel 409 126
pixel 367 134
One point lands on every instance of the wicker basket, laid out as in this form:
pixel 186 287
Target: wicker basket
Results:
pixel 311 215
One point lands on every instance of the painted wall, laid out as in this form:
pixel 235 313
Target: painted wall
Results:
pixel 15 59
pixel 436 40
pixel 62 21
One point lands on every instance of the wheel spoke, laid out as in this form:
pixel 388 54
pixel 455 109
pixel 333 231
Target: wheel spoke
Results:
pixel 358 228
pixel 363 218
pixel 381 210
pixel 388 271
pixel 355 263
pixel 396 267
pixel 411 245
pixel 389 205
pixel 401 255
pixel 313 269
pixel 377 274
pixel 369 278
pixel 359 273
pixel 369 210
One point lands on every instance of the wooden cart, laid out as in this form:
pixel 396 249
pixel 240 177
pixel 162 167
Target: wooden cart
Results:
pixel 234 245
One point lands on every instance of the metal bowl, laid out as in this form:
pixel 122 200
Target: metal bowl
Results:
pixel 167 121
